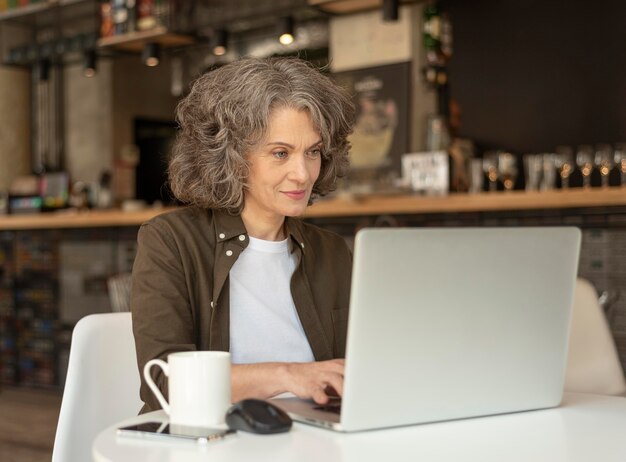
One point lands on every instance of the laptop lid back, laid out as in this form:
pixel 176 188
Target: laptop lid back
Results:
pixel 454 323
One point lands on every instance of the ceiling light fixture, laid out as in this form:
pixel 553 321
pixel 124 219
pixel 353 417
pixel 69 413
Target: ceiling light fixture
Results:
pixel 285 30
pixel 220 43
pixel 43 70
pixel 89 63
pixel 390 10
pixel 151 55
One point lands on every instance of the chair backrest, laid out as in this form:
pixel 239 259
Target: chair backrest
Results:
pixel 102 385
pixel 593 365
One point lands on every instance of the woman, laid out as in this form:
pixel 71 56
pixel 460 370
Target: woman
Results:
pixel 236 270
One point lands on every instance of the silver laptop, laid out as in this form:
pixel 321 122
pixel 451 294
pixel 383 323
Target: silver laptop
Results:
pixel 453 323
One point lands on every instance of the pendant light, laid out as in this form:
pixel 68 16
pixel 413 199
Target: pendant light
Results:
pixel 390 10
pixel 151 55
pixel 220 42
pixel 89 63
pixel 286 30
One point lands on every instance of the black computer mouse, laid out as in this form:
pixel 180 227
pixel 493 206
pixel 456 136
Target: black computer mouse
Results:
pixel 257 416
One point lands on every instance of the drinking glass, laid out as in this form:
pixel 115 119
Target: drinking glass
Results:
pixel 620 161
pixel 564 164
pixel 603 160
pixel 549 171
pixel 507 170
pixel 584 160
pixel 490 167
pixel 533 166
pixel 476 176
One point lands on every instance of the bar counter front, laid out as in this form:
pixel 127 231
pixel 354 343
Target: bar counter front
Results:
pixel 56 267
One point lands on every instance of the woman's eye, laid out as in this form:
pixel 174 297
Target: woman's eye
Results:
pixel 280 154
pixel 315 153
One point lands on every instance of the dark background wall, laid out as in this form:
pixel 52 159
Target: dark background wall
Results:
pixel 533 74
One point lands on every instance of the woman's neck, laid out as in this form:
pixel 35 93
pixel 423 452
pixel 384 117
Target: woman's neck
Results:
pixel 268 229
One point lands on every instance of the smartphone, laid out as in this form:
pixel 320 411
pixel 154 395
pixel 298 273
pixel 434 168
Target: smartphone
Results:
pixel 162 430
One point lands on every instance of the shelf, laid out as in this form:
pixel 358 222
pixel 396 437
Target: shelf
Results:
pixel 29 10
pixel 89 219
pixel 454 203
pixel 24 11
pixel 347 207
pixel 349 6
pixel 135 41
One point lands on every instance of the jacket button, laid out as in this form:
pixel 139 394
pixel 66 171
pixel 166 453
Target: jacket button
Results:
pixel 212 304
pixel 242 238
pixel 302 244
pixel 229 253
pixel 222 235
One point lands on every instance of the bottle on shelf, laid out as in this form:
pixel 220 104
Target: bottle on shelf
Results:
pixel 437 45
pixel 107 28
pixel 118 17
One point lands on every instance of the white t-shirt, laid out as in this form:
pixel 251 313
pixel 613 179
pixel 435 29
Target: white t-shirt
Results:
pixel 264 323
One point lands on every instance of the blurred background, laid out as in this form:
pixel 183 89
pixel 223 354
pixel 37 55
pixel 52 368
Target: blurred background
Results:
pixel 470 113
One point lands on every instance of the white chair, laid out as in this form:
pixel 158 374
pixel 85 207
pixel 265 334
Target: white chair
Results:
pixel 102 385
pixel 593 365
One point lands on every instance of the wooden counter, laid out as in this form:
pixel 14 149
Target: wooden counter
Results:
pixel 454 203
pixel 358 206
pixel 88 219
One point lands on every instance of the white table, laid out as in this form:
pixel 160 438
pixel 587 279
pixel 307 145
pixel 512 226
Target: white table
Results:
pixel 584 428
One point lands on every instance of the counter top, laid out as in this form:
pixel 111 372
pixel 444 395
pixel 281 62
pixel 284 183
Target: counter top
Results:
pixel 354 206
pixel 454 203
pixel 76 219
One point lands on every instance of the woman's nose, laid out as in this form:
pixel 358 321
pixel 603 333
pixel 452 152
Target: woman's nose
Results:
pixel 298 169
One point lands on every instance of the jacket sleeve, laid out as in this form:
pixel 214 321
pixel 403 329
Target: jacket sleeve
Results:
pixel 161 310
pixel 340 316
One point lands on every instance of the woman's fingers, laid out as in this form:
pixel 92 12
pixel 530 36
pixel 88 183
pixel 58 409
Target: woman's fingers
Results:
pixel 335 381
pixel 311 380
pixel 320 392
pixel 319 396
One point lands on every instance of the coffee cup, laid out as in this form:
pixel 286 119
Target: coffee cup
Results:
pixel 199 387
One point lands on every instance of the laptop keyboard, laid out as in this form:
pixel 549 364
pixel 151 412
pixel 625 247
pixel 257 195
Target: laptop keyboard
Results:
pixel 335 408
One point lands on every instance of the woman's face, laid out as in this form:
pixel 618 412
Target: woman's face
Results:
pixel 283 167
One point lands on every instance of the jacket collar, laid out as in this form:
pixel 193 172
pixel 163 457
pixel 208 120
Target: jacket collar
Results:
pixel 227 226
pixel 294 230
pixel 230 226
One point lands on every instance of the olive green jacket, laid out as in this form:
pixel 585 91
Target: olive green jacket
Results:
pixel 180 292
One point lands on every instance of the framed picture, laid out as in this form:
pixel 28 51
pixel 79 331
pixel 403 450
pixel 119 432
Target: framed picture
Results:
pixel 381 134
pixel 427 172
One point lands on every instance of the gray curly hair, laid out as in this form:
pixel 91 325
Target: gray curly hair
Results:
pixel 225 116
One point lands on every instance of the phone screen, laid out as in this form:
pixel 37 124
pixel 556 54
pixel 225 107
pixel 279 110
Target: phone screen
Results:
pixel 162 429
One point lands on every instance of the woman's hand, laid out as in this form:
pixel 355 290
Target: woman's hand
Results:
pixel 316 380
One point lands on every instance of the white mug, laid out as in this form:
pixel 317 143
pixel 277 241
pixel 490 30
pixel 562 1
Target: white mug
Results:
pixel 199 387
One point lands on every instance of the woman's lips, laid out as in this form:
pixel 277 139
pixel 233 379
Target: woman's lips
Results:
pixel 295 195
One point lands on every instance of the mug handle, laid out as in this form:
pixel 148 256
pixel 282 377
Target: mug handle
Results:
pixel 146 375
